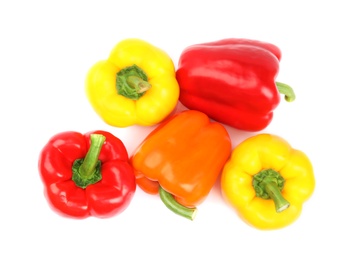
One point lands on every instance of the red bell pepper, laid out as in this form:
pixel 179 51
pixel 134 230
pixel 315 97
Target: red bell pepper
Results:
pixel 87 175
pixel 232 81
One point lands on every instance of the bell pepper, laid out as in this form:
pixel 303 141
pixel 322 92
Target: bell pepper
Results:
pixel 181 160
pixel 135 85
pixel 232 81
pixel 267 181
pixel 86 175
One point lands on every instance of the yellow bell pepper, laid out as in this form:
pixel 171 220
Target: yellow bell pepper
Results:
pixel 135 85
pixel 267 181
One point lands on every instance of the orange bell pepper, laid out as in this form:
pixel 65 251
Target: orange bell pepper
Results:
pixel 181 160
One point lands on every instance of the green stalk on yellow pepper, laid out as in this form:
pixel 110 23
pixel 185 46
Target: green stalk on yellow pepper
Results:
pixel 135 85
pixel 267 181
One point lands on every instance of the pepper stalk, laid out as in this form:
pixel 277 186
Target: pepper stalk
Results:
pixel 268 184
pixel 87 170
pixel 132 82
pixel 174 206
pixel 286 90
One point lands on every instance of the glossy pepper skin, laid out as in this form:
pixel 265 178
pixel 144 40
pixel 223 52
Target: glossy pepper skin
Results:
pixel 232 81
pixel 86 174
pixel 135 85
pixel 183 157
pixel 267 181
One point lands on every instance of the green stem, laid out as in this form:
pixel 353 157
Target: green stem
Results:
pixel 132 82
pixel 268 184
pixel 176 207
pixel 286 90
pixel 87 171
pixel 274 193
pixel 138 84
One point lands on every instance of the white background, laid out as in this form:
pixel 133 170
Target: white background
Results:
pixel 46 49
